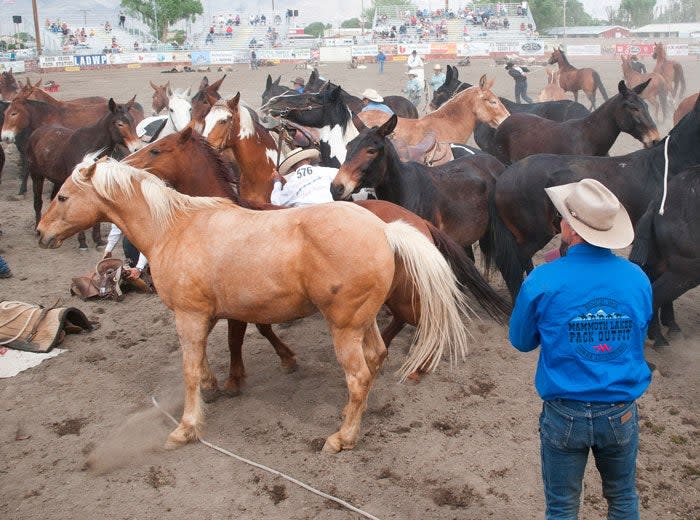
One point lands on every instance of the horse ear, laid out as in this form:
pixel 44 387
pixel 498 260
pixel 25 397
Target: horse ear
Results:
pixel 89 172
pixel 37 84
pixel 277 81
pixel 215 86
pixel 153 85
pixel 268 84
pixel 130 103
pixel 640 88
pixel 112 105
pixel 188 92
pixel 233 102
pixel 335 95
pixel 210 99
pixel 204 83
pixel 389 126
pixel 622 88
pixel 185 135
pixel 313 76
pixel 169 91
pixel 482 82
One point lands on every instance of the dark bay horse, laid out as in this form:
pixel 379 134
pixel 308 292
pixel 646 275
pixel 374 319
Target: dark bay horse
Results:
pixel 525 134
pixel 669 69
pixel 572 79
pixel 8 85
pixel 523 220
pixel 190 165
pixel 668 248
pixel 453 196
pixel 657 87
pixel 210 260
pixel 54 151
pixel 484 134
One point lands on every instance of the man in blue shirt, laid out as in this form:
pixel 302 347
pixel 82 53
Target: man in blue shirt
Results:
pixel 373 101
pixel 589 313
pixel 298 85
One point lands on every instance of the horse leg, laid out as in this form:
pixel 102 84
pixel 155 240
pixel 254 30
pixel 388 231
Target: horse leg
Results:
pixel 667 288
pixel 38 190
pixel 236 373
pixel 350 347
pixel 576 96
pixel 287 358
pixel 668 319
pixel 193 330
pixel 654 332
pixel 391 330
pixel 591 98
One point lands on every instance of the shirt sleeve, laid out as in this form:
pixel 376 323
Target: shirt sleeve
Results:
pixel 142 263
pixel 524 334
pixel 114 235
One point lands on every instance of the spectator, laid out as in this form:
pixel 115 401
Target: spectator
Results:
pixel 229 31
pixel 4 269
pixel 373 101
pixel 108 27
pixel 298 85
pixel 415 64
pixel 438 78
pixel 253 60
pixel 122 19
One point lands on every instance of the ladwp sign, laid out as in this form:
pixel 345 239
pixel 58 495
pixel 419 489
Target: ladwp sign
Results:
pixel 90 60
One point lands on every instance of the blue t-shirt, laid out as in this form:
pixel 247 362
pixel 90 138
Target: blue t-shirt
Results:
pixel 373 105
pixel 589 312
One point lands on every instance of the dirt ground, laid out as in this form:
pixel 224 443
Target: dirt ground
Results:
pixel 463 444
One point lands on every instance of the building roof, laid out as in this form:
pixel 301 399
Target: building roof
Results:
pixel 668 27
pixel 585 29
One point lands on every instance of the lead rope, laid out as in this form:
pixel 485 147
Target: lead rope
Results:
pixel 270 470
pixel 663 198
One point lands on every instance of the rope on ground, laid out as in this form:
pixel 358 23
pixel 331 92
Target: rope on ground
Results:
pixel 270 470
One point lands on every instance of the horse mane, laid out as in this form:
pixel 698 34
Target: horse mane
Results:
pixel 112 178
pixel 339 109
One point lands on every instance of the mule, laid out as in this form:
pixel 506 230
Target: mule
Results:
pixel 524 134
pixel 656 87
pixel 669 69
pixel 53 151
pixel 572 79
pixel 454 121
pixel 312 269
pixel 523 220
pixel 190 165
pixel 684 107
pixel 668 248
pixel 483 133
pixel 453 197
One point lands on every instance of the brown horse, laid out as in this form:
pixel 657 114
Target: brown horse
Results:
pixel 188 164
pixel 8 85
pixel 684 107
pixel 524 134
pixel 669 69
pixel 656 92
pixel 572 79
pixel 552 91
pixel 453 122
pixel 54 151
pixel 37 93
pixel 159 101
pixel 189 240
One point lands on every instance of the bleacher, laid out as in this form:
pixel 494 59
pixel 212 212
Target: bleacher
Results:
pixel 242 34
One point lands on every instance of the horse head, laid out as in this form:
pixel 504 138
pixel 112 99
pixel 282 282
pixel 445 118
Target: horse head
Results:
pixel 160 97
pixel 120 125
pixel 659 51
pixel 365 163
pixel 223 121
pixel 632 115
pixel 18 116
pixel 487 107
pixel 179 108
pixel 447 89
pixel 273 89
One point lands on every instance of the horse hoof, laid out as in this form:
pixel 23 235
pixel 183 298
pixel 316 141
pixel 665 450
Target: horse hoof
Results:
pixel 232 389
pixel 209 395
pixel 289 368
pixel 332 445
pixel 180 436
pixel 661 343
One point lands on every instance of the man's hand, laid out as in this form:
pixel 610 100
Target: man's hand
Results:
pixel 108 254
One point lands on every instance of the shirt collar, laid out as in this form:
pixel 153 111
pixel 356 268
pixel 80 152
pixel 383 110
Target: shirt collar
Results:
pixel 585 249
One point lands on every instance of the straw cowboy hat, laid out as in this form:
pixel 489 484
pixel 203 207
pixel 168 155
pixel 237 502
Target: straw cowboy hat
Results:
pixel 594 212
pixel 437 67
pixel 299 81
pixel 295 156
pixel 372 95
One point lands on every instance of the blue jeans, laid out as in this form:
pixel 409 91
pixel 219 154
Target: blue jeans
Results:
pixel 568 430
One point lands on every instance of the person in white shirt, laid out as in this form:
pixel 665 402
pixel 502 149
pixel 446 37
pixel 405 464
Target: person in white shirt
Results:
pixel 114 235
pixel 301 182
pixel 415 65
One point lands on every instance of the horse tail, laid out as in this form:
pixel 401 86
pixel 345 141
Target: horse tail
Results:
pixel 442 304
pixel 499 245
pixel 678 78
pixel 469 276
pixel 643 247
pixel 599 84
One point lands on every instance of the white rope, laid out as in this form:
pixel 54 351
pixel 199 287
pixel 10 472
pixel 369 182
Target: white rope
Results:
pixel 273 471
pixel 13 305
pixel 663 198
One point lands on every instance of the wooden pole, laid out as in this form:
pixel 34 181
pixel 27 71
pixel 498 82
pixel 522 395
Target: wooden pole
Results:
pixel 37 35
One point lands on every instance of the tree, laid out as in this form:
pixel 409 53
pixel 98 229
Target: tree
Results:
pixel 316 29
pixel 638 12
pixel 550 13
pixel 352 23
pixel 402 5
pixel 166 12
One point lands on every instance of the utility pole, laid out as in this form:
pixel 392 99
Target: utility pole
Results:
pixel 85 12
pixel 155 16
pixel 564 22
pixel 37 36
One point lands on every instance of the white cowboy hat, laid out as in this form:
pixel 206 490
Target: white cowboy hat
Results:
pixel 372 95
pixel 594 212
pixel 437 67
pixel 295 156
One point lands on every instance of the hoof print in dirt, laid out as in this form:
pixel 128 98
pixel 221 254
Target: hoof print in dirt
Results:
pixel 316 445
pixel 69 426
pixel 456 498
pixel 157 477
pixel 277 493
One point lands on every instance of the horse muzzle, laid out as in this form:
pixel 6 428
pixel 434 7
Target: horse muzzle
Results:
pixel 49 242
pixel 8 137
pixel 651 138
pixel 340 191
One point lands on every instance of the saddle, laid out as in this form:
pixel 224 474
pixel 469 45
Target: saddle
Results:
pixel 105 282
pixel 428 150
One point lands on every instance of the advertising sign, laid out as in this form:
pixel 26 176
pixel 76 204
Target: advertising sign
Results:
pixel 90 60
pixel 50 62
pixel 583 50
pixel 14 66
pixel 365 50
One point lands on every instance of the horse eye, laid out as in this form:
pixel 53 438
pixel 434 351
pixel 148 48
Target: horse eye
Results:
pixel 371 151
pixel 155 151
pixel 172 110
pixel 62 198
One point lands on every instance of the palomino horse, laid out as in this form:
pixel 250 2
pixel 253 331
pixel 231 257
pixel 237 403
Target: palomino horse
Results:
pixel 572 79
pixel 484 134
pixel 8 85
pixel 669 69
pixel 191 166
pixel 454 121
pixel 657 87
pixel 522 135
pixel 312 269
pixel 552 91
pixel 54 151
pixel 684 107
pixel 668 248
pixel 453 196
pixel 523 220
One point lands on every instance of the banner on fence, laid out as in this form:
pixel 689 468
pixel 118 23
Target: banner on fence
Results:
pixel 335 54
pixel 474 49
pixel 365 50
pixel 677 49
pixel 228 57
pixel 531 48
pixel 407 48
pixel 200 58
pixel 90 60
pixel 583 50
pixel 443 48
pixel 50 62
pixel 640 49
pixel 14 66
pixel 284 54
